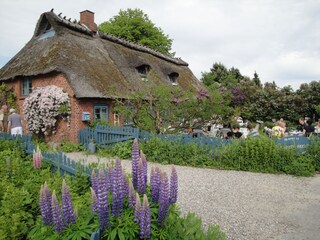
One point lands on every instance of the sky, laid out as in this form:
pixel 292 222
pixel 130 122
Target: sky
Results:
pixel 278 39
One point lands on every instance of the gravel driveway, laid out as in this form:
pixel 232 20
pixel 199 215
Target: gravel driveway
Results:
pixel 246 205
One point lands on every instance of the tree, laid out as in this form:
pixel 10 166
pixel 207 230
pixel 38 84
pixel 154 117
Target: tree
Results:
pixel 256 79
pixel 162 106
pixel 134 25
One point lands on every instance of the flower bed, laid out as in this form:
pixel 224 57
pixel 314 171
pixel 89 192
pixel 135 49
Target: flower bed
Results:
pixel 116 207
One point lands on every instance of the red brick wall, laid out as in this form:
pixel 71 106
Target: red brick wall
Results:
pixel 64 131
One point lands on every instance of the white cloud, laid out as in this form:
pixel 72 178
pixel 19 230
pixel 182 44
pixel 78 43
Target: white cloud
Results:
pixel 278 39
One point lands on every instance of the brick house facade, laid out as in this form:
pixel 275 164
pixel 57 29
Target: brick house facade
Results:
pixel 92 67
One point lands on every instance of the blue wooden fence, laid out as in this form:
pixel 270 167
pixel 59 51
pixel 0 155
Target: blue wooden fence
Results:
pixel 109 135
pixel 104 135
pixel 58 160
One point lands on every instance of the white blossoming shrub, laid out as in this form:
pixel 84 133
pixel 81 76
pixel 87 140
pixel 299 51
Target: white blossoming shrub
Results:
pixel 42 108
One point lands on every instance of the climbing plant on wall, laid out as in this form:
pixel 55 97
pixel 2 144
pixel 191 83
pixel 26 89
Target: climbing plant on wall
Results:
pixel 43 107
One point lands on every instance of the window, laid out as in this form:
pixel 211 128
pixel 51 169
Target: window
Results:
pixel 173 78
pixel 101 113
pixel 26 87
pixel 45 30
pixel 143 71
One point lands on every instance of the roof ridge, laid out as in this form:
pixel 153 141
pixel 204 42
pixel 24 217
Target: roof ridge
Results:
pixel 84 29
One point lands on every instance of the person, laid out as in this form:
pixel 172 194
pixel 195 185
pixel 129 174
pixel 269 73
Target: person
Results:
pixel 301 125
pixel 14 123
pixel 278 130
pixel 317 127
pixel 253 132
pixel 234 133
pixel 3 124
pixel 308 129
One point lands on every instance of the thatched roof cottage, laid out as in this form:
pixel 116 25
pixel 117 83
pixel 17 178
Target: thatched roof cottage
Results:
pixel 92 67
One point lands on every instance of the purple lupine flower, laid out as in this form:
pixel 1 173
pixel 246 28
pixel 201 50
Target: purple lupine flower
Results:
pixel 94 181
pixel 94 201
pixel 137 208
pixel 45 204
pixel 135 156
pixel 56 214
pixel 155 184
pixel 125 184
pixel 131 196
pixel 109 178
pixel 117 189
pixel 163 199
pixel 173 186
pixel 67 209
pixel 145 219
pixel 145 167
pixel 103 205
pixel 141 179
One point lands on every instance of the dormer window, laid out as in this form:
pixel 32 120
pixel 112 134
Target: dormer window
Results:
pixel 45 30
pixel 143 71
pixel 173 78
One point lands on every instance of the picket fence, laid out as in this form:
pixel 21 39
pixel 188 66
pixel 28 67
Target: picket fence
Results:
pixel 102 136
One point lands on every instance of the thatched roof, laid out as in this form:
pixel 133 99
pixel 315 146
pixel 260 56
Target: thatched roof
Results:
pixel 95 64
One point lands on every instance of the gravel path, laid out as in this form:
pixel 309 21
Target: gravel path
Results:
pixel 246 205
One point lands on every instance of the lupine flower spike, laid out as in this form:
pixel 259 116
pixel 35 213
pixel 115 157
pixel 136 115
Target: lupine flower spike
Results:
pixel 103 204
pixel 125 184
pixel 137 208
pixel 145 219
pixel 94 181
pixel 132 196
pixel 94 201
pixel 56 214
pixel 67 209
pixel 37 158
pixel 173 186
pixel 163 199
pixel 155 184
pixel 45 204
pixel 141 183
pixel 135 156
pixel 117 189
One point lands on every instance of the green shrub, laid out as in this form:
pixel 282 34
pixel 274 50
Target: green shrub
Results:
pixel 190 227
pixel 167 152
pixel 70 147
pixel 313 151
pixel 264 155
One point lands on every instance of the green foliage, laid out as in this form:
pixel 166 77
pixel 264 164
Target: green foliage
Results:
pixel 7 96
pixel 263 102
pixel 167 152
pixel 70 147
pixel 134 25
pixel 190 227
pixel 313 151
pixel 166 106
pixel 264 155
